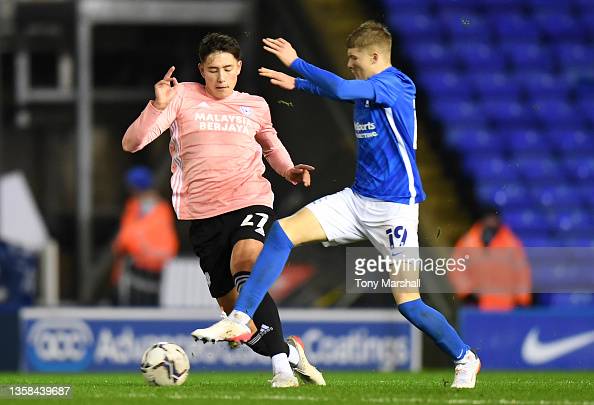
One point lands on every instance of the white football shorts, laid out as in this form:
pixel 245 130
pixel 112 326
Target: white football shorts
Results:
pixel 347 217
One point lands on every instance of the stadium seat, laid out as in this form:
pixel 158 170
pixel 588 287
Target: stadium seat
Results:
pixel 559 24
pixel 511 27
pixel 525 140
pixel 557 195
pixel 477 55
pixel 526 220
pixel 474 141
pixel 444 83
pixel 492 84
pixel 534 168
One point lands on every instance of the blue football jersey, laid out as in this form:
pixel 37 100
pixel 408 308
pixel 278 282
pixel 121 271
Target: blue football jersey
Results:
pixel 386 133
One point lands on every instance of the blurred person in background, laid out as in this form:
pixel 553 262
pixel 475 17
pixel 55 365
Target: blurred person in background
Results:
pixel 498 277
pixel 146 240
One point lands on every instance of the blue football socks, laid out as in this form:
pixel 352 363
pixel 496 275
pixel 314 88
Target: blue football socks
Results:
pixel 267 269
pixel 434 324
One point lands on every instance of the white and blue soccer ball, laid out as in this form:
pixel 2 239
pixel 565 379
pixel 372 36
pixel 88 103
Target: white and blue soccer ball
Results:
pixel 165 364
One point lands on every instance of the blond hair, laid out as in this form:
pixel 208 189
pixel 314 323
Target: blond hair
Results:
pixel 370 33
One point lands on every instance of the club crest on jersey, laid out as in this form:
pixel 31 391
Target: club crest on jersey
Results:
pixel 245 110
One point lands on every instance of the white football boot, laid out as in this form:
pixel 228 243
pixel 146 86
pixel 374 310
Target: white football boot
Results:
pixel 308 373
pixel 225 329
pixel 466 370
pixel 284 380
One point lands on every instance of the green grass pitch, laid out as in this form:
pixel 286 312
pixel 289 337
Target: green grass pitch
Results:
pixel 428 387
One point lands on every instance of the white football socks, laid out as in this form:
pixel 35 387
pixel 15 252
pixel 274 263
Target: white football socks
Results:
pixel 280 364
pixel 293 355
pixel 239 317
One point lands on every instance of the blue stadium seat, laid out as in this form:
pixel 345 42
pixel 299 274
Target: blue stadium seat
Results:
pixel 557 195
pixel 408 6
pixel 525 139
pixel 477 56
pixel 550 5
pixel 584 5
pixel 444 83
pixel 512 27
pixel 489 166
pixel 506 110
pixel 505 193
pixel 572 56
pixel 567 141
pixel 453 111
pixel 553 112
pixel 587 24
pixel 539 85
pixel 465 25
pixel 580 168
pixel 430 55
pixel 492 84
pixel 539 169
pixel 495 5
pixel 568 220
pixel 559 24
pixel 586 109
pixel 473 141
pixel 523 56
pixel 419 26
pixel 526 220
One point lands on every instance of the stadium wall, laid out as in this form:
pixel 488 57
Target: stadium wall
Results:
pixel 107 339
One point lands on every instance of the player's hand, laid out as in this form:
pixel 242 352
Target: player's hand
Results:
pixel 300 174
pixel 282 49
pixel 165 90
pixel 279 79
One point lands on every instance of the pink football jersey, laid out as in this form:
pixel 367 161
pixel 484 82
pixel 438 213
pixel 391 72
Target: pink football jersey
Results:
pixel 216 150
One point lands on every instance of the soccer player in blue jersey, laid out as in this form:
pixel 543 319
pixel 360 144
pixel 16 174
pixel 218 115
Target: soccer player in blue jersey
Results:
pixel 383 203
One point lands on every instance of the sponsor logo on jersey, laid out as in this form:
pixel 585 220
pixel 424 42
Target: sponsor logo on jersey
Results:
pixel 366 130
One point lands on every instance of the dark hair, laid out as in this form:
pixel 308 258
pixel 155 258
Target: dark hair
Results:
pixel 370 33
pixel 217 42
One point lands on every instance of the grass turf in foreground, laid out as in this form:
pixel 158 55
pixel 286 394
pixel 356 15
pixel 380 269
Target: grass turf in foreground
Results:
pixel 429 387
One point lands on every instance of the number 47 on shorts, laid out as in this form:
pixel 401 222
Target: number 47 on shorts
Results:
pixel 247 221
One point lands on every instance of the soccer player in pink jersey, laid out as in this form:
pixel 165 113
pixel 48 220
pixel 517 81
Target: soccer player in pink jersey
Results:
pixel 218 137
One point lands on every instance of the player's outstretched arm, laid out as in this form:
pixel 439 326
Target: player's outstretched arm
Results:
pixel 282 80
pixel 286 82
pixel 156 117
pixel 334 85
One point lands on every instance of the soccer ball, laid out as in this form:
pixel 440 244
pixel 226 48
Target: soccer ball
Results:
pixel 165 364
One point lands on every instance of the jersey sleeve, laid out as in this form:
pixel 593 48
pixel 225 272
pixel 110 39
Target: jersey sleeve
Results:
pixel 306 85
pixel 273 150
pixel 334 85
pixel 387 89
pixel 151 123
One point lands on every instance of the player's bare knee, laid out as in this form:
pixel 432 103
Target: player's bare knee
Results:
pixel 242 264
pixel 288 226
